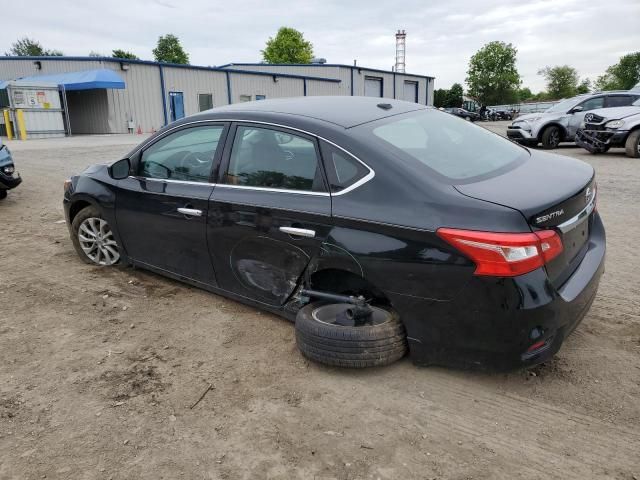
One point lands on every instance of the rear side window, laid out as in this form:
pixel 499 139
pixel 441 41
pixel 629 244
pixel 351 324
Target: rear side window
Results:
pixel 448 145
pixel 342 169
pixel 267 158
pixel 619 100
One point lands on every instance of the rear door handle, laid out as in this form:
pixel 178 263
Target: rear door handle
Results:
pixel 298 232
pixel 192 212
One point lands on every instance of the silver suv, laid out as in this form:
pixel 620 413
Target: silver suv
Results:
pixel 615 127
pixel 560 123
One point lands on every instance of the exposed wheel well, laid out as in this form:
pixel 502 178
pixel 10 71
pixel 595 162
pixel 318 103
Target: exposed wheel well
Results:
pixel 76 207
pixel 347 283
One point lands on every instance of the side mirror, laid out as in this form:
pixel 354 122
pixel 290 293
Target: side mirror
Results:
pixel 576 109
pixel 120 169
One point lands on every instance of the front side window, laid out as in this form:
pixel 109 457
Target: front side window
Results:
pixel 447 145
pixel 185 155
pixel 262 157
pixel 592 104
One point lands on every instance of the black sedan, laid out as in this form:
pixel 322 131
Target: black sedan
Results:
pixel 462 113
pixel 374 226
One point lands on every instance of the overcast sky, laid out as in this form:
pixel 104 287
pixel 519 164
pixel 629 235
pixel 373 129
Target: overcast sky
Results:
pixel 441 35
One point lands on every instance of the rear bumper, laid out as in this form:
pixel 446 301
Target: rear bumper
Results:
pixel 599 141
pixel 493 322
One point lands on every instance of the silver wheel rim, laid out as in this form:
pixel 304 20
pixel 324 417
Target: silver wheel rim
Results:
pixel 97 241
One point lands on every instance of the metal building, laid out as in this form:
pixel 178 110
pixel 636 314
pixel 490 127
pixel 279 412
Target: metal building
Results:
pixel 155 94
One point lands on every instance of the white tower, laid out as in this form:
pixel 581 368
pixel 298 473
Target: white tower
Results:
pixel 401 41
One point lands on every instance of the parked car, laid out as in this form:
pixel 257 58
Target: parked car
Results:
pixel 462 113
pixel 560 122
pixel 9 178
pixel 614 127
pixel 371 223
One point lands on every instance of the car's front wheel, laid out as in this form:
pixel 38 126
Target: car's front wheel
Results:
pixel 93 238
pixel 3 194
pixel 632 145
pixel 551 137
pixel 324 335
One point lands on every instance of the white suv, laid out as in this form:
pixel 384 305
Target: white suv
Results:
pixel 560 123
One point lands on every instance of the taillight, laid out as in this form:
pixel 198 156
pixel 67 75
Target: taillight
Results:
pixel 504 254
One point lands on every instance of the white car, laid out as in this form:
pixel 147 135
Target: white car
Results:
pixel 561 122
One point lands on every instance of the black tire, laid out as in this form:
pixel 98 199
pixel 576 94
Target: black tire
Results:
pixel 3 194
pixel 632 145
pixel 81 216
pixel 349 346
pixel 551 137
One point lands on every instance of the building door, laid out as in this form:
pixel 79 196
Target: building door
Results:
pixel 410 91
pixel 176 103
pixel 372 87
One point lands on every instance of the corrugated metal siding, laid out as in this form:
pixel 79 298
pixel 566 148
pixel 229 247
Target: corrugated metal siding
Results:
pixel 317 87
pixel 193 82
pixel 140 101
pixel 260 85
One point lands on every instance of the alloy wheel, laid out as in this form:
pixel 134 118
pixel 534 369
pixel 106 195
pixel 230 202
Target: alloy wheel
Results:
pixel 97 241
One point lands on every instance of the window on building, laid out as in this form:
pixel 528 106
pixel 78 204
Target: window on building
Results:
pixel 262 157
pixel 410 91
pixel 205 101
pixel 372 86
pixel 184 155
pixel 261 97
pixel 245 98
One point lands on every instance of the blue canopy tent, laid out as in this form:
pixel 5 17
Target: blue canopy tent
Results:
pixel 83 80
pixel 81 92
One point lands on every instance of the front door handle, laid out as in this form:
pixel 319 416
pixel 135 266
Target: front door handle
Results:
pixel 298 232
pixel 192 212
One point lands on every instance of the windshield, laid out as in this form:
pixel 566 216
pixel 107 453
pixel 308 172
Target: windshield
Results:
pixel 452 147
pixel 563 105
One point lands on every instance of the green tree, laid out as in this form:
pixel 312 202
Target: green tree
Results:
pixel 93 53
pixel 454 96
pixel 118 53
pixel 27 47
pixel 524 94
pixel 562 81
pixel 584 86
pixel 440 97
pixel 492 76
pixel 623 75
pixel 288 46
pixel 169 50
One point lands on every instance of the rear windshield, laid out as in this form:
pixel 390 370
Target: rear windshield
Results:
pixel 450 146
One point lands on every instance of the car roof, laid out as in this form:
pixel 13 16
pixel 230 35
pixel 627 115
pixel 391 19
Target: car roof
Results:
pixel 339 110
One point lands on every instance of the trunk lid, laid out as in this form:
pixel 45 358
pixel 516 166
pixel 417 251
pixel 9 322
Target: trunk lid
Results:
pixel 550 191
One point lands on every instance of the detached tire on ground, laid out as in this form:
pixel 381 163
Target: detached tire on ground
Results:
pixel 378 344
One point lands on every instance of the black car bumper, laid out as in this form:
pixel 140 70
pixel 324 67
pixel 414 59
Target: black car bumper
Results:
pixel 496 323
pixel 7 182
pixel 599 141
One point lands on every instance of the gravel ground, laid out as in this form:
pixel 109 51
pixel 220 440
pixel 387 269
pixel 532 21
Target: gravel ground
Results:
pixel 99 369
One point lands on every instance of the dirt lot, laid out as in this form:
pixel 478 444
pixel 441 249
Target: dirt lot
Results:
pixel 99 369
